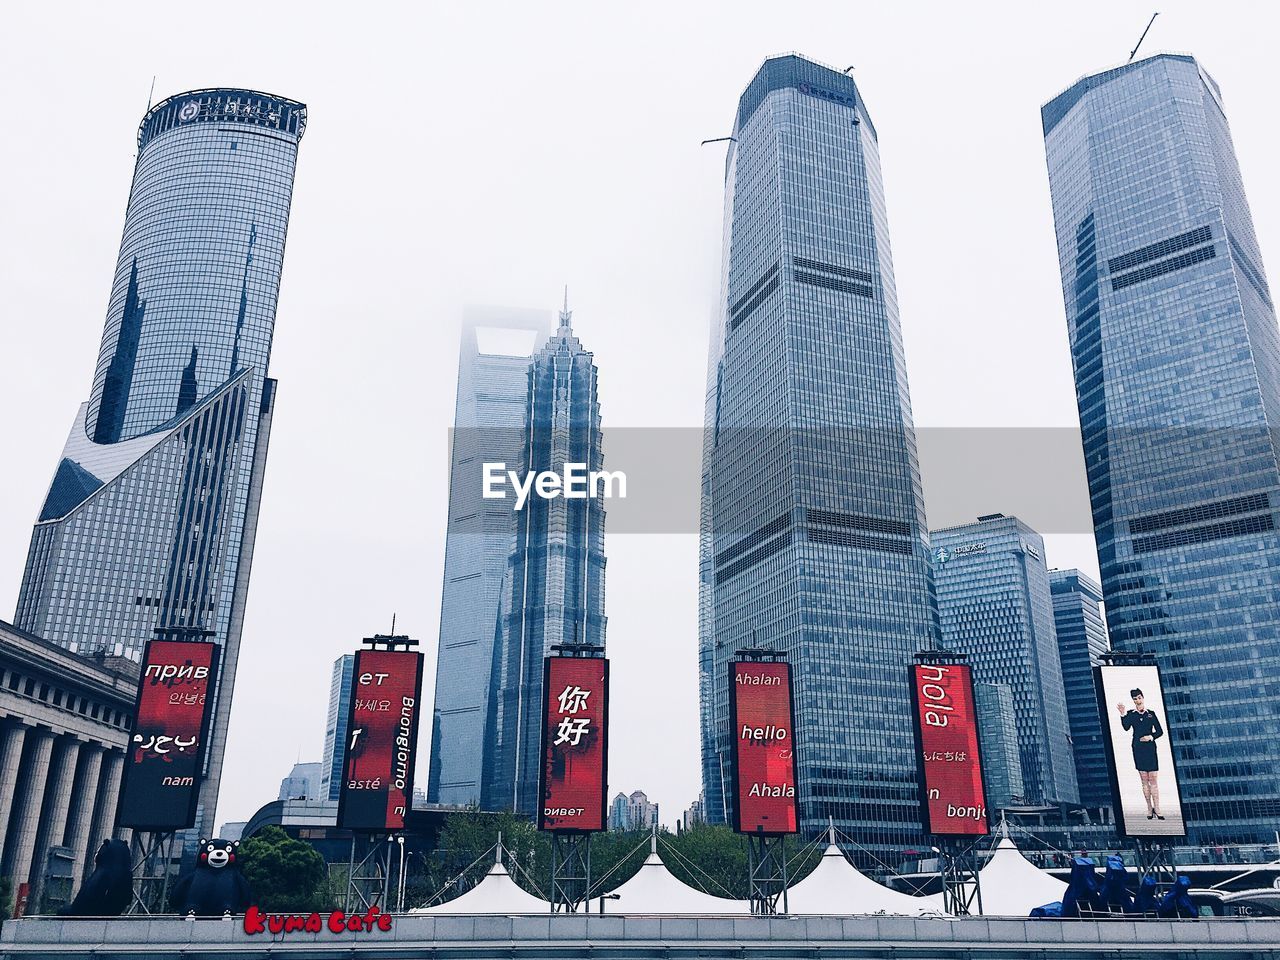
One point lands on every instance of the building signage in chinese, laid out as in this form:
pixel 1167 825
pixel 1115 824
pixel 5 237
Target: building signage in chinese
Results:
pixel 953 801
pixel 165 762
pixel 575 744
pixel 382 736
pixel 764 762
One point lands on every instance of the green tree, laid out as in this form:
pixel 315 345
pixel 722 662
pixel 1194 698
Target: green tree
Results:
pixel 714 859
pixel 464 854
pixel 286 875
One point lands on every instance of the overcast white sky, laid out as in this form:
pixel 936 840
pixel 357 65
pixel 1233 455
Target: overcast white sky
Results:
pixel 489 153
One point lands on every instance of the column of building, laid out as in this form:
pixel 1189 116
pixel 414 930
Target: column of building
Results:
pixel 25 818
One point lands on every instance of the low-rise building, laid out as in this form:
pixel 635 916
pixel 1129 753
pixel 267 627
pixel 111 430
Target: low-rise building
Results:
pixel 64 733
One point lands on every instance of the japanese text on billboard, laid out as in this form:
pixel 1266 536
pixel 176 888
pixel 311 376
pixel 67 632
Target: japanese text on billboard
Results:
pixel 953 800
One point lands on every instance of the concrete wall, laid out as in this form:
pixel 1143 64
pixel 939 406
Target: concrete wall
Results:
pixel 627 937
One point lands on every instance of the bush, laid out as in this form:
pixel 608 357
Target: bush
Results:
pixel 286 875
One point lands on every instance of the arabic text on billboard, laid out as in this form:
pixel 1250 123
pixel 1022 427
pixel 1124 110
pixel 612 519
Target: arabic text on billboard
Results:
pixel 165 762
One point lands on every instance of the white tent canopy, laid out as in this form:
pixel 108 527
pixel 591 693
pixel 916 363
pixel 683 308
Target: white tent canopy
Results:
pixel 654 890
pixel 1012 885
pixel 837 888
pixel 497 893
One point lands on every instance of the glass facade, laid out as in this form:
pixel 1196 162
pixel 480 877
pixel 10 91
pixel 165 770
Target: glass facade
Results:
pixel 553 590
pixel 150 519
pixel 998 741
pixel 813 539
pixel 995 606
pixel 489 419
pixel 335 729
pixel 1082 640
pixel 1177 365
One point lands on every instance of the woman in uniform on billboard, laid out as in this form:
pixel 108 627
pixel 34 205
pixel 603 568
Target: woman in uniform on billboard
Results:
pixel 1146 729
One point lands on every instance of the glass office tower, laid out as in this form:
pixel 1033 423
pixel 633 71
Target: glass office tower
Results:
pixel 150 519
pixel 553 590
pixel 489 417
pixel 1082 640
pixel 335 730
pixel 995 606
pixel 813 537
pixel 1177 365
pixel 998 739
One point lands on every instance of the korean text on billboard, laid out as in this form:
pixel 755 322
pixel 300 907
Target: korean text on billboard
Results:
pixel 575 744
pixel 382 735
pixel 764 764
pixel 165 762
pixel 953 800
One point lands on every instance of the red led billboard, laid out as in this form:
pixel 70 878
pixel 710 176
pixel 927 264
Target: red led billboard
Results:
pixel 575 744
pixel 764 761
pixel 953 801
pixel 382 738
pixel 165 762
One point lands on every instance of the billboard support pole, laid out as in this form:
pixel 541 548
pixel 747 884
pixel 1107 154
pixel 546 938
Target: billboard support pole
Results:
pixel 767 859
pixel 152 856
pixel 369 879
pixel 961 892
pixel 570 870
pixel 1154 858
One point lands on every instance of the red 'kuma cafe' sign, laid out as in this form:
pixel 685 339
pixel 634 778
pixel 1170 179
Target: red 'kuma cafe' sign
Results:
pixel 371 921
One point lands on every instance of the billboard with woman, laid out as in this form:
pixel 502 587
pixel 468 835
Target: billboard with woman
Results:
pixel 1143 779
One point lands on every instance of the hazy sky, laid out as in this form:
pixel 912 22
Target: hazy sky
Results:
pixel 490 153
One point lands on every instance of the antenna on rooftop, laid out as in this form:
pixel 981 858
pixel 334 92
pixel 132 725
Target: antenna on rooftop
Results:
pixel 1134 51
pixel 151 93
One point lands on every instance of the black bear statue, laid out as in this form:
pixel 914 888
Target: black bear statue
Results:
pixel 215 888
pixel 109 889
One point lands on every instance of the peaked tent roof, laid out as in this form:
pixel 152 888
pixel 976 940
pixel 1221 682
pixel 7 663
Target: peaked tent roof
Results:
pixel 836 887
pixel 654 890
pixel 496 893
pixel 1012 885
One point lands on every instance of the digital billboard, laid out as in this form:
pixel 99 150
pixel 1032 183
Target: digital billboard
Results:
pixel 952 799
pixel 382 737
pixel 575 744
pixel 762 722
pixel 1144 782
pixel 165 762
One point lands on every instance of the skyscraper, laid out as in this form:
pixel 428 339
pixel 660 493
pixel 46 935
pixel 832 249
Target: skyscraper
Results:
pixel 813 536
pixel 998 737
pixel 995 606
pixel 1082 640
pixel 150 519
pixel 488 427
pixel 553 590
pixel 335 730
pixel 1177 365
